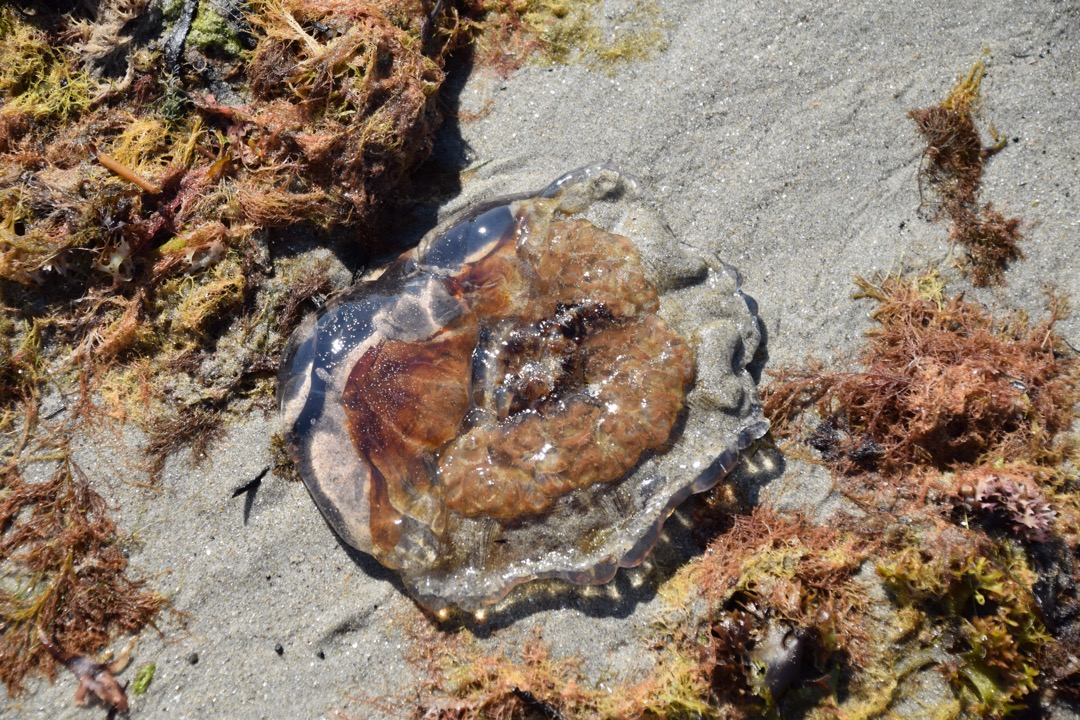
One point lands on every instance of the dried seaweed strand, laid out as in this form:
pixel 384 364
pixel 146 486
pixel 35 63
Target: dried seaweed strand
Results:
pixel 126 173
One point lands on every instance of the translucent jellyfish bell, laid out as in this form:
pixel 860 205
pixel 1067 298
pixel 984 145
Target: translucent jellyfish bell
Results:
pixel 529 393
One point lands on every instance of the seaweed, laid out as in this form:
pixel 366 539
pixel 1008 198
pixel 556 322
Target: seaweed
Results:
pixel 952 168
pixel 508 33
pixel 64 571
pixel 126 206
pixel 341 108
pixel 212 34
pixel 1008 495
pixel 955 415
pixel 976 596
pixel 960 423
pixel 464 682
pixel 1055 593
pixel 141 682
pixel 38 79
pixel 782 608
pixel 20 363
pixel 196 428
pixel 943 384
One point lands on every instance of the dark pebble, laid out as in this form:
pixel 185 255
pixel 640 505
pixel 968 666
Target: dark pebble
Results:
pixel 279 650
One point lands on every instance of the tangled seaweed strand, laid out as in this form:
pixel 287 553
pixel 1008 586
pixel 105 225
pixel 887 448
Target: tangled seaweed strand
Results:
pixel 341 106
pixel 942 384
pixel 952 168
pixel 463 682
pixel 780 605
pixel 64 572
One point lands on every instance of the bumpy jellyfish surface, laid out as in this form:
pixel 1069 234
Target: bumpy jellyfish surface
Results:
pixel 529 393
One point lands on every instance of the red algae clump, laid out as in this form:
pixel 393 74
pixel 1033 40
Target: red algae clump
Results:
pixel 942 384
pixel 952 168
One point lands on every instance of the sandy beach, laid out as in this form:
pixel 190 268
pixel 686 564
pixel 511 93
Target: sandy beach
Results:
pixel 776 138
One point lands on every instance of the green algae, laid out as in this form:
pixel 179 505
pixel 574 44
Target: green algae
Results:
pixel 143 677
pixel 979 593
pixel 212 34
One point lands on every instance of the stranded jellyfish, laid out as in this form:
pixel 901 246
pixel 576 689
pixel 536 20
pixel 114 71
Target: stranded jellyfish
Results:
pixel 529 393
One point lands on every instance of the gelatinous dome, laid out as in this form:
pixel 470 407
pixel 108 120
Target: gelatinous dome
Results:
pixel 525 395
